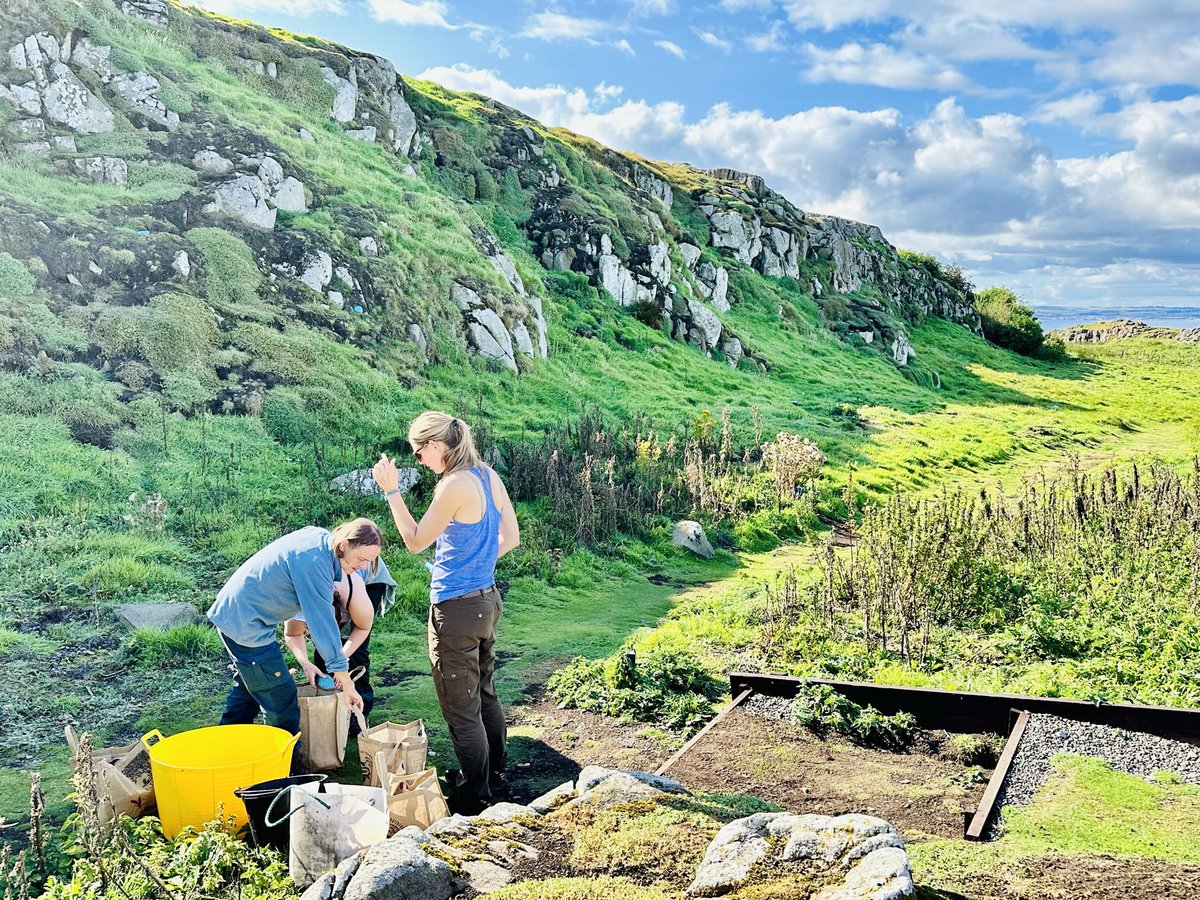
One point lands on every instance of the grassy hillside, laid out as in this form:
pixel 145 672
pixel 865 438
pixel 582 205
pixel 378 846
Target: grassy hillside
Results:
pixel 157 425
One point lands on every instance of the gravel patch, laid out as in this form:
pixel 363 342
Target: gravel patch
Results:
pixel 1132 752
pixel 777 708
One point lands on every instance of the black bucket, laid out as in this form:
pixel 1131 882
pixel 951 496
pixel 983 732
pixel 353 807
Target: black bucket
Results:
pixel 258 797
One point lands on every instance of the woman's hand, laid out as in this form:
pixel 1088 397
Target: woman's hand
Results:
pixel 311 672
pixel 385 474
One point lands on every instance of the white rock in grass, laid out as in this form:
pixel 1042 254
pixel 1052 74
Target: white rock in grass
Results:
pixel 691 535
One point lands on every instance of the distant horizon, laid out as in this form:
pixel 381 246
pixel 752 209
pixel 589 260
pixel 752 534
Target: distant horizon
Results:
pixel 1056 317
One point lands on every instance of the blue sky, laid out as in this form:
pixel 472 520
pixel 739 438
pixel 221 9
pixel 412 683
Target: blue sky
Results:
pixel 1050 146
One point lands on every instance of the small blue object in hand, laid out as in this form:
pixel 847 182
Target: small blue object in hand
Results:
pixel 325 682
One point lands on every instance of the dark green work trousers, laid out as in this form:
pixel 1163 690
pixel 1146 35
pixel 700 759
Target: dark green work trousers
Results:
pixel 462 638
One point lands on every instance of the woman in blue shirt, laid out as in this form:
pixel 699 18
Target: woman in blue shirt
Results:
pixel 293 574
pixel 472 523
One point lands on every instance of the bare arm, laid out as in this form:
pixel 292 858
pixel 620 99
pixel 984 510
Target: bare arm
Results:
pixel 447 499
pixel 362 616
pixel 294 633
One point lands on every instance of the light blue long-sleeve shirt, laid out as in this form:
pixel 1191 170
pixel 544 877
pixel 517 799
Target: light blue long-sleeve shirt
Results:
pixel 292 574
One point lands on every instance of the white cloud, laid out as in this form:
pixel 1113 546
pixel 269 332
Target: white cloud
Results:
pixel 552 26
pixel 605 91
pixel 652 7
pixel 672 48
pixel 410 12
pixel 552 104
pixel 625 47
pixel 1117 228
pixel 301 8
pixel 713 41
pixel 882 65
pixel 769 41
pixel 741 5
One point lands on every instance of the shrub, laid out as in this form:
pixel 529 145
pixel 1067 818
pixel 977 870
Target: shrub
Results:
pixel 1009 323
pixel 182 645
pixel 821 707
pixel 667 686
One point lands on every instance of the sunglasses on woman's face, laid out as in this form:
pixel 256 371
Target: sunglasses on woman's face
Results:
pixel 418 450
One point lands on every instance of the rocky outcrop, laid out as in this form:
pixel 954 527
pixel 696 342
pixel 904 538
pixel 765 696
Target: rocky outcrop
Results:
pixel 137 90
pixel 254 194
pixel 845 857
pixel 1102 332
pixel 850 857
pixel 152 11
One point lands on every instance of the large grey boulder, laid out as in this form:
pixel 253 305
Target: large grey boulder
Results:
pixel 318 270
pixel 156 616
pixel 690 254
pixel 614 276
pixel 152 11
pixel 852 857
pixel 361 483
pixel 743 237
pixel 901 349
pixel 96 57
pixel 23 96
pixel 137 90
pixel 244 198
pixel 345 93
pixel 706 323
pixel 399 869
pixel 67 101
pixel 210 162
pixel 490 338
pixel 713 282
pixel 604 788
pixel 520 335
pixel 691 535
pixel 464 298
pixel 553 798
pixel 102 169
pixel 660 263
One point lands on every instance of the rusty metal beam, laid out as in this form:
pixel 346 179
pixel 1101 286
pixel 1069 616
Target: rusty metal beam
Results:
pixel 987 802
pixel 963 711
pixel 695 739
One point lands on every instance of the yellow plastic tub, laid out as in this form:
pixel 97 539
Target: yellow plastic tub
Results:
pixel 196 772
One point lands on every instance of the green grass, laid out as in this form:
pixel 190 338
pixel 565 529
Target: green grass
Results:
pixel 1085 808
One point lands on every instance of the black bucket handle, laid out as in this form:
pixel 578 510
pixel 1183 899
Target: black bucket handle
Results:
pixel 291 787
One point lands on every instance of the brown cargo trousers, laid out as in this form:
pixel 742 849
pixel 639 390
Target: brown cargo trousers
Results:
pixel 462 637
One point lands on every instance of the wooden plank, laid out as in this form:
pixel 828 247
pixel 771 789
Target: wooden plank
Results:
pixel 963 711
pixel 987 802
pixel 695 739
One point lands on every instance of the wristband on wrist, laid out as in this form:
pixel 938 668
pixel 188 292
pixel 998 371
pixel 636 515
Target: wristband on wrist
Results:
pixel 394 490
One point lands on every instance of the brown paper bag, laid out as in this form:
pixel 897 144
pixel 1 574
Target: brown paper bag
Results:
pixel 123 780
pixel 405 748
pixel 414 799
pixel 324 728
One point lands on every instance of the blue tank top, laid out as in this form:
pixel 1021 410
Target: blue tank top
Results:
pixel 464 558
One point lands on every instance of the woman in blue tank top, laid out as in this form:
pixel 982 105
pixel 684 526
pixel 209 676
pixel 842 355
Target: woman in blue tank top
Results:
pixel 471 522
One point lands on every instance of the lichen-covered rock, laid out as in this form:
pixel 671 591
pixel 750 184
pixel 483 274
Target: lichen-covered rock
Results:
pixel 850 857
pixel 244 199
pixel 102 169
pixel 152 11
pixel 399 869
pixel 318 270
pixel 138 91
pixel 490 338
pixel 361 483
pixel 210 162
pixel 66 100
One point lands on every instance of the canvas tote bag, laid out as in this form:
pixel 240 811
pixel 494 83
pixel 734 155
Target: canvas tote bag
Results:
pixel 412 799
pixel 123 781
pixel 324 727
pixel 330 826
pixel 405 748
